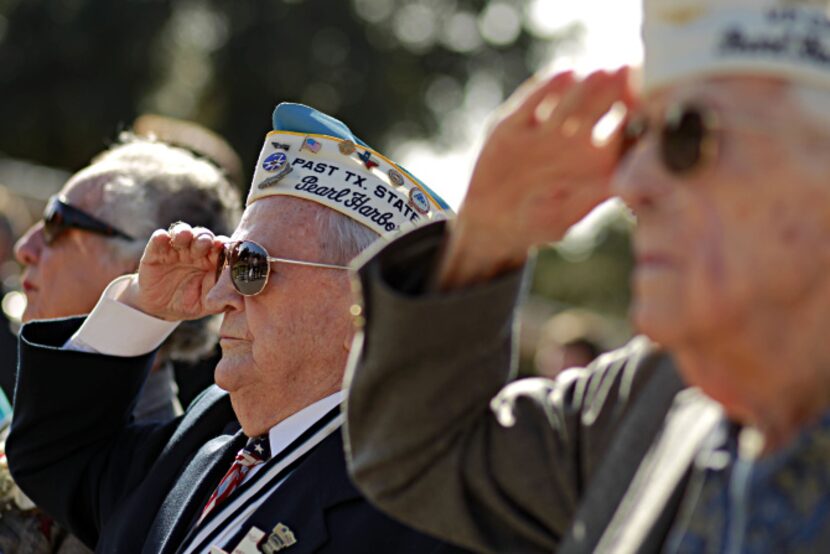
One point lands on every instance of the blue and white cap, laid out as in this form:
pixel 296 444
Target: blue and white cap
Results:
pixel 313 156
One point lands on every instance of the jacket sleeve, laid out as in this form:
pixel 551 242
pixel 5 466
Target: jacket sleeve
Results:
pixel 435 434
pixel 73 447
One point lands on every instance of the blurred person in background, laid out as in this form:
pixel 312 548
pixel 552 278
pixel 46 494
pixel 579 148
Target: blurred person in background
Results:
pixel 569 339
pixel 727 173
pixel 14 220
pixel 92 231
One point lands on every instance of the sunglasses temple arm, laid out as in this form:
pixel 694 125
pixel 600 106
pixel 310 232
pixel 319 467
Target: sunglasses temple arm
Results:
pixel 310 264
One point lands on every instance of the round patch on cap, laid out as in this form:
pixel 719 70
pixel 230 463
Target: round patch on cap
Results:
pixel 419 201
pixel 395 178
pixel 274 162
pixel 347 148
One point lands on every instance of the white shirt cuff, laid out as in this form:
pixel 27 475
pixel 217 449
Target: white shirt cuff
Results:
pixel 116 329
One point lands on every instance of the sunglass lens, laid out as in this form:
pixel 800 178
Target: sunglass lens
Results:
pixel 683 138
pixel 249 268
pixel 52 222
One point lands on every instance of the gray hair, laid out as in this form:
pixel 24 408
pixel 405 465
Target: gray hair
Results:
pixel 149 185
pixel 342 238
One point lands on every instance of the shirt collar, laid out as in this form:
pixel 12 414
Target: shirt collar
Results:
pixel 286 431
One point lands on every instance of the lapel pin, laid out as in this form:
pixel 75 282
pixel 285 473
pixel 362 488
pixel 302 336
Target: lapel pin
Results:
pixel 249 543
pixel 280 538
pixel 311 145
pixel 347 148
pixel 274 179
pixel 281 146
pixel 366 157
pixel 395 178
pixel 419 201
pixel 274 162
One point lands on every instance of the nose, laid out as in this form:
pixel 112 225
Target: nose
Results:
pixel 223 297
pixel 640 180
pixel 29 247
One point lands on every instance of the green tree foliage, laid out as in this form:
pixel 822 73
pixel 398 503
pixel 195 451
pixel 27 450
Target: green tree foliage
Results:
pixel 72 73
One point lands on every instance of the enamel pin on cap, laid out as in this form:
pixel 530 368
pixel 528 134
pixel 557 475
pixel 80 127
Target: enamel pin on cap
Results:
pixel 312 156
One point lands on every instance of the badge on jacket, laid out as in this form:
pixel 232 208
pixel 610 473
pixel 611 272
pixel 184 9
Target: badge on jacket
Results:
pixel 252 543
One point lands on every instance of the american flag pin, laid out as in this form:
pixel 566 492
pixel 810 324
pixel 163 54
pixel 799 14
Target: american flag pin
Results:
pixel 311 145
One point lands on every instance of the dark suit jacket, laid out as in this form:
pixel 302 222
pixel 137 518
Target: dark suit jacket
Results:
pixel 595 461
pixel 138 488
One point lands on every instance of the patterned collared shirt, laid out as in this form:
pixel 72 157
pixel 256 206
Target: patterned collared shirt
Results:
pixel 778 503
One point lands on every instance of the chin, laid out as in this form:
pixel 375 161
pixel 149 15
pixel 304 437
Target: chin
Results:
pixel 659 323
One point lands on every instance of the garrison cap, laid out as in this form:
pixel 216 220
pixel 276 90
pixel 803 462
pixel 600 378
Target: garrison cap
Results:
pixel 314 156
pixel 685 39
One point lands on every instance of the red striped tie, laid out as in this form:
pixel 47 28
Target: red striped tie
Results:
pixel 255 452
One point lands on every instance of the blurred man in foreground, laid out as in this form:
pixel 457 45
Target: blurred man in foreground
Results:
pixel 259 467
pixel 728 180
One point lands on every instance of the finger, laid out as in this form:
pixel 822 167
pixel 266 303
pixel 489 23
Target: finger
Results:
pixel 200 231
pixel 181 236
pixel 584 104
pixel 202 245
pixel 526 108
pixel 157 245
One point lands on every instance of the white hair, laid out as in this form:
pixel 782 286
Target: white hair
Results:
pixel 342 238
pixel 147 185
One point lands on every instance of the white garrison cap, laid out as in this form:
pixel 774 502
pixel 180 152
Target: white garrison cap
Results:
pixel 699 38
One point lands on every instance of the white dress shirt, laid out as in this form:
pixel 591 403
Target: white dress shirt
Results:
pixel 103 332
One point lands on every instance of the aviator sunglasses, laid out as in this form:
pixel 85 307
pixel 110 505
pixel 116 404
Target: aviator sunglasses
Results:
pixel 59 217
pixel 687 137
pixel 251 266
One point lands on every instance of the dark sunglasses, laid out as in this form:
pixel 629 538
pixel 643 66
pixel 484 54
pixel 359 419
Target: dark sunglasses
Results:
pixel 251 266
pixel 59 217
pixel 687 138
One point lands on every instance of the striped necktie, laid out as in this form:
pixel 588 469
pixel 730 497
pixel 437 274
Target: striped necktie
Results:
pixel 255 452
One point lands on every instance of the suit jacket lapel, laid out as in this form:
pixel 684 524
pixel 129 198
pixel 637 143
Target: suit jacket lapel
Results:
pixel 661 475
pixel 319 482
pixel 183 505
pixel 622 458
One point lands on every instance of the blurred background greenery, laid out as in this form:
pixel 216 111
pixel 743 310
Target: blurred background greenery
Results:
pixel 74 73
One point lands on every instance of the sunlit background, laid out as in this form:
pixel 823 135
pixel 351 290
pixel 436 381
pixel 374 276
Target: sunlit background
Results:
pixel 417 79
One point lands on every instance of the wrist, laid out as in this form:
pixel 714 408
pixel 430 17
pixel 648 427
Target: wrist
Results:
pixel 474 254
pixel 130 295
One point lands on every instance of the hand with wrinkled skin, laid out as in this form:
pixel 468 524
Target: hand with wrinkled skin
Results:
pixel 539 173
pixel 176 272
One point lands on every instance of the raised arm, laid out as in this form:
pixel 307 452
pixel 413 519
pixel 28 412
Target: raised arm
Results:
pixel 436 438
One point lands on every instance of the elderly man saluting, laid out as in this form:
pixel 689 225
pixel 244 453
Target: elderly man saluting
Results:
pixel 200 483
pixel 728 177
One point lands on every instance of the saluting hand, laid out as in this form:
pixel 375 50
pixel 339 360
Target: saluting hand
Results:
pixel 176 272
pixel 540 171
